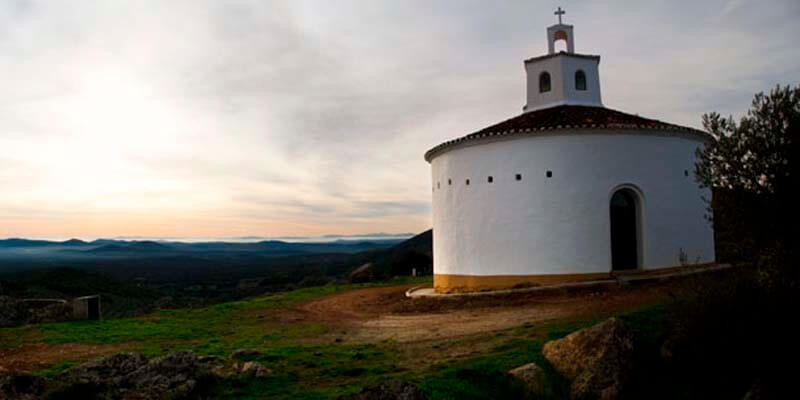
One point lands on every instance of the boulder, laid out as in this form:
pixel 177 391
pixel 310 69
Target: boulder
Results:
pixel 22 386
pixel 533 377
pixel 390 390
pixel 598 359
pixel 172 377
pixel 242 353
pixel 209 360
pixel 252 368
pixel 109 370
pixel 132 376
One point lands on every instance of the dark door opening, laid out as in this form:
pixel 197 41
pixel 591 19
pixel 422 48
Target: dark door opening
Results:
pixel 93 306
pixel 624 243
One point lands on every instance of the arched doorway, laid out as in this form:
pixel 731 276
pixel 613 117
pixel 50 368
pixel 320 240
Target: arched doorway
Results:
pixel 624 230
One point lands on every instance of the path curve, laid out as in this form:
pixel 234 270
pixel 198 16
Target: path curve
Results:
pixel 386 313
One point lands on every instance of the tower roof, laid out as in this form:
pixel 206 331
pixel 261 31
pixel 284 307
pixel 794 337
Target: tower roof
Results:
pixel 565 118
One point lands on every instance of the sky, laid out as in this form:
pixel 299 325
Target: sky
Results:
pixel 232 118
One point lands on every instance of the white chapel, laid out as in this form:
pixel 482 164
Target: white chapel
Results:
pixel 567 191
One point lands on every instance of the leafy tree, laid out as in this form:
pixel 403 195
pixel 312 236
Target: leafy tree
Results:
pixel 754 155
pixel 750 168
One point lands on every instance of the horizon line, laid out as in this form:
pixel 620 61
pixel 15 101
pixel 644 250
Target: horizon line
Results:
pixel 197 239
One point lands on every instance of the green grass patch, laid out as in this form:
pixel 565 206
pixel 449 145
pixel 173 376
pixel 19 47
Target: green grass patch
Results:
pixel 315 372
pixel 220 328
pixel 649 324
pixel 55 369
pixel 303 371
pixel 486 377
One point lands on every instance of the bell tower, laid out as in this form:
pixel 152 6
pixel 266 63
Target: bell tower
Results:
pixel 560 31
pixel 562 78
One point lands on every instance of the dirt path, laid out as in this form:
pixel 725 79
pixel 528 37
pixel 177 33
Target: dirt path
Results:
pixel 375 314
pixel 385 313
pixel 37 356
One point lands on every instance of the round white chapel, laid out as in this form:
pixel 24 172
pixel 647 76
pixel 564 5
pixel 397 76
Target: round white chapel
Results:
pixel 567 191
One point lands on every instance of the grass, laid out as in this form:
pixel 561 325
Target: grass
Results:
pixel 221 328
pixel 316 372
pixel 55 369
pixel 486 378
pixel 304 368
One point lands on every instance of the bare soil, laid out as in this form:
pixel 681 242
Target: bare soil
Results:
pixel 442 328
pixel 41 355
pixel 386 313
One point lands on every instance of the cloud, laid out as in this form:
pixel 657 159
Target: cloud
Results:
pixel 215 118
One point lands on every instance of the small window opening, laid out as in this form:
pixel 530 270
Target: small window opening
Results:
pixel 490 179
pixel 519 177
pixel 438 185
pixel 580 80
pixel 449 181
pixel 549 174
pixel 686 172
pixel 544 82
pixel 467 182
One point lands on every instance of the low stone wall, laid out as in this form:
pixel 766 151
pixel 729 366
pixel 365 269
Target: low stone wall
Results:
pixel 16 312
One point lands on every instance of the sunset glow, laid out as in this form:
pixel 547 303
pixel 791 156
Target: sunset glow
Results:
pixel 307 117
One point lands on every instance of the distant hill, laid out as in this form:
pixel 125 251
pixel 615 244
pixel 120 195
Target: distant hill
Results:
pixel 74 242
pixel 30 250
pixel 131 247
pixel 16 242
pixel 399 259
pixel 134 275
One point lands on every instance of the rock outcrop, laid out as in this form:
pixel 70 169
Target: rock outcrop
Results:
pixel 532 376
pixel 244 353
pixel 598 359
pixel 175 376
pixel 131 376
pixel 109 370
pixel 21 386
pixel 390 390
pixel 252 368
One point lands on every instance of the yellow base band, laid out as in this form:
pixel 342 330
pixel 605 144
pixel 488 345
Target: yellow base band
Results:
pixel 447 283
pixel 451 283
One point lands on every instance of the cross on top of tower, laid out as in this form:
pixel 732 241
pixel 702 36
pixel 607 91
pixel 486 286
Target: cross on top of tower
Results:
pixel 559 12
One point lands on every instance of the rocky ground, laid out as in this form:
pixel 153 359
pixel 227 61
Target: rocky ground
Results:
pixel 356 337
pixel 179 375
pixel 598 360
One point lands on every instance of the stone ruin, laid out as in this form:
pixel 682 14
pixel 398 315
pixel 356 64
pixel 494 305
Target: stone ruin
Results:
pixel 86 307
pixel 16 312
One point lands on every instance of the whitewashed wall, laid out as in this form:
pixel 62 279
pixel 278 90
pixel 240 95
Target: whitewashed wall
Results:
pixel 560 225
pixel 562 70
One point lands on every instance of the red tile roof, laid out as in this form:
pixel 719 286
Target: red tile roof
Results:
pixel 567 117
